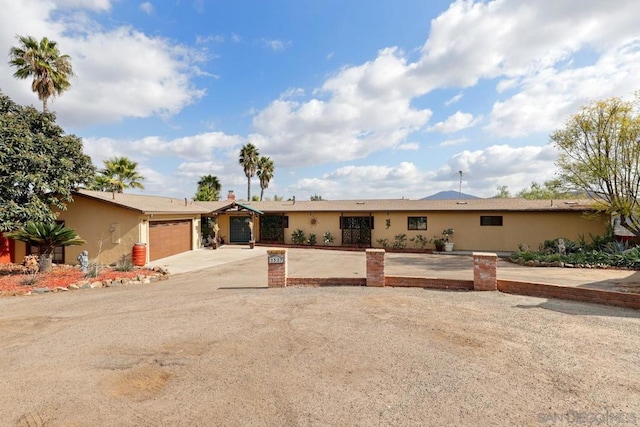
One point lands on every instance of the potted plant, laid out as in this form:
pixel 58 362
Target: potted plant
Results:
pixel 448 239
pixel 439 244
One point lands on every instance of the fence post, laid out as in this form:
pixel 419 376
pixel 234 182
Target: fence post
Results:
pixel 375 267
pixel 485 271
pixel 277 273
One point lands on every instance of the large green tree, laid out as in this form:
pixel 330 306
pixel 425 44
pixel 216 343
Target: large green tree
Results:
pixel 39 165
pixel 42 61
pixel 208 189
pixel 551 189
pixel 266 169
pixel 600 156
pixel 248 159
pixel 118 174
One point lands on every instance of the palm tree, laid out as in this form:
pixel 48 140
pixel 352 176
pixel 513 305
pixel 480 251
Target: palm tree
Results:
pixel 42 60
pixel 266 168
pixel 208 189
pixel 119 173
pixel 46 236
pixel 249 161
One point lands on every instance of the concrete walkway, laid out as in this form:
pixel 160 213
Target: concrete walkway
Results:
pixel 314 262
pixel 204 258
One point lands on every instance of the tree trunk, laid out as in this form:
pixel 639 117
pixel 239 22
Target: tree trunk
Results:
pixel 45 261
pixel 44 105
pixel 261 193
pixel 248 189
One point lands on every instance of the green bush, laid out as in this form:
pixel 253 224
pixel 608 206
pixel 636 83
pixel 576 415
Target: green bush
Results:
pixel 383 242
pixel 298 237
pixel 400 241
pixel 312 239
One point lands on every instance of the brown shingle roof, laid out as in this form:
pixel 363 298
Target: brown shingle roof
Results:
pixel 387 205
pixel 167 205
pixel 145 204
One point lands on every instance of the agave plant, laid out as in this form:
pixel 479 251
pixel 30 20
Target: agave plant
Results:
pixel 46 236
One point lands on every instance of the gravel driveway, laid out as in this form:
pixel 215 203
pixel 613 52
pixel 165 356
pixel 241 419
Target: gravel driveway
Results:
pixel 215 347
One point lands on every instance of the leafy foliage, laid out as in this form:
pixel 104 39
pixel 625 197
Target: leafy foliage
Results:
pixel 39 165
pixel 46 236
pixel 298 237
pixel 208 189
pixel 327 238
pixel 312 239
pixel 420 241
pixel 601 251
pixel 248 159
pixel 42 61
pixel 118 174
pixel 266 169
pixel 400 241
pixel 600 155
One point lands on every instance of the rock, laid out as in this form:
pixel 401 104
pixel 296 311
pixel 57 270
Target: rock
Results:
pixel 96 285
pixel 568 265
pixel 153 279
pixel 73 287
pixel 61 289
pixel 146 281
pixel 114 284
pixel 40 290
pixel 135 282
pixel 85 285
pixel 530 263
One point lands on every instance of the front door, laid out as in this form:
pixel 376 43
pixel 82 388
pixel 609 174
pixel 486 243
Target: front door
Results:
pixel 239 229
pixel 356 230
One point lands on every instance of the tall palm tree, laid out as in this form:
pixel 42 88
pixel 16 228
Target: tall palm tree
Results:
pixel 249 160
pixel 266 168
pixel 42 61
pixel 208 189
pixel 119 173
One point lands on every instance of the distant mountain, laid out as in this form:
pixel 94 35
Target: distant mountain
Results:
pixel 449 195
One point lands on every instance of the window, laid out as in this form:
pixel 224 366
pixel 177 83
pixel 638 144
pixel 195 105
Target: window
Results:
pixel 491 220
pixel 417 223
pixel 356 222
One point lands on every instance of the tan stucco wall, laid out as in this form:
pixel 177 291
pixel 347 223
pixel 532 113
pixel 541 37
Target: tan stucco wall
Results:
pixel 94 222
pixel 528 228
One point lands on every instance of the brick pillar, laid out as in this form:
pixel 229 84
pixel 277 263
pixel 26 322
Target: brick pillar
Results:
pixel 375 267
pixel 485 271
pixel 277 261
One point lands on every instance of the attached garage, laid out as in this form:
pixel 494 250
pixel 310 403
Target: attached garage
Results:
pixel 168 238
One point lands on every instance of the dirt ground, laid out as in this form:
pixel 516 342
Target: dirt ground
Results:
pixel 216 347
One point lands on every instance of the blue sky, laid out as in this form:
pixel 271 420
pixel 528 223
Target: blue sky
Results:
pixel 351 99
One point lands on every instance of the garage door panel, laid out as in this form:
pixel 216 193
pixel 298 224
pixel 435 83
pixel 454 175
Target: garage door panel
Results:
pixel 168 238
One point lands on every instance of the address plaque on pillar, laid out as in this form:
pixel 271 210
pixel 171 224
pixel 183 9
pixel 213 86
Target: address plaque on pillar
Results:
pixel 276 259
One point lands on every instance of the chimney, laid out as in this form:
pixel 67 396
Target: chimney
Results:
pixel 231 196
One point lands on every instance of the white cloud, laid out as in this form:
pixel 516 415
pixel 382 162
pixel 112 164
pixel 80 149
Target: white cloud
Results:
pixel 408 146
pixel 146 7
pixel 453 99
pixel 120 72
pixel 455 122
pixel 216 38
pixel 452 142
pixel 483 170
pixel 276 45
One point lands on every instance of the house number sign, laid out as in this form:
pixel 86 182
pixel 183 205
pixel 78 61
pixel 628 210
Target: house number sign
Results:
pixel 276 259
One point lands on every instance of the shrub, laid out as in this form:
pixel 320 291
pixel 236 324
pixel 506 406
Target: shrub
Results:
pixel 312 239
pixel 298 237
pixel 420 241
pixel 125 264
pixel 30 279
pixel 383 242
pixel 400 241
pixel 327 238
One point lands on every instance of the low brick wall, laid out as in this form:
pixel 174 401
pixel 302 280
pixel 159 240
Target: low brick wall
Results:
pixel 428 282
pixel 326 281
pixel 619 299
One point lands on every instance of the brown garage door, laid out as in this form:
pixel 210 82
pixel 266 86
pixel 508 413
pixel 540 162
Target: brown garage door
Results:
pixel 169 238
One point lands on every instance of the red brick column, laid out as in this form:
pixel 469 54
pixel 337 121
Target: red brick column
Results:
pixel 277 261
pixel 375 267
pixel 485 271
